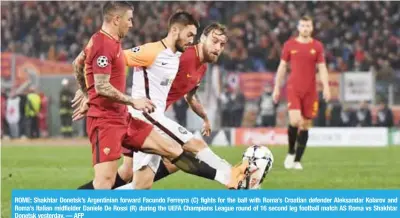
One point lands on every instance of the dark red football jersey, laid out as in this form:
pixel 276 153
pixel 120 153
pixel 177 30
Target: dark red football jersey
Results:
pixel 191 72
pixel 104 56
pixel 303 59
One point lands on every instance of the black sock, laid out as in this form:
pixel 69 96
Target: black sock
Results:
pixel 88 185
pixel 189 164
pixel 162 172
pixel 118 182
pixel 292 135
pixel 302 143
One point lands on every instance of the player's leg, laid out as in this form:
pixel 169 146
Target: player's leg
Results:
pixel 309 111
pixel 124 174
pixel 295 121
pixel 185 138
pixel 201 151
pixel 125 171
pixel 204 153
pixel 105 137
pixel 153 143
pixel 165 169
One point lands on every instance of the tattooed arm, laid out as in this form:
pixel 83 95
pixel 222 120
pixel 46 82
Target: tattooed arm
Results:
pixel 78 65
pixel 104 88
pixel 194 103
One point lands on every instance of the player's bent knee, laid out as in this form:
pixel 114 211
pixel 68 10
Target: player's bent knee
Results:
pixel 144 178
pixel 125 171
pixel 105 182
pixel 295 122
pixel 295 118
pixel 195 145
pixel 307 124
pixel 104 174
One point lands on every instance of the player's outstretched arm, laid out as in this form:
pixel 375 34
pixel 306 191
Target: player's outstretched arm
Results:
pixel 104 88
pixel 195 104
pixel 280 74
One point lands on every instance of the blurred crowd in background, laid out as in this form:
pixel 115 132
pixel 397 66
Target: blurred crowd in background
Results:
pixel 358 36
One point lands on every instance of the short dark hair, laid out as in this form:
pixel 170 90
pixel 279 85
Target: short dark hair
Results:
pixel 112 6
pixel 215 26
pixel 306 18
pixel 184 18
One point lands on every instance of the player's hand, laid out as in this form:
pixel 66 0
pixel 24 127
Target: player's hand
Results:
pixel 275 95
pixel 206 130
pixel 144 105
pixel 81 110
pixel 78 98
pixel 327 94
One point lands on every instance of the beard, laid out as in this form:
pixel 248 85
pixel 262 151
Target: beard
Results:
pixel 305 34
pixel 208 56
pixel 179 45
pixel 122 33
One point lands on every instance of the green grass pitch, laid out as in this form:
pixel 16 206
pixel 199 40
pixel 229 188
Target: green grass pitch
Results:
pixel 67 167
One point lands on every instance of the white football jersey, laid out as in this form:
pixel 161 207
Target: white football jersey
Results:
pixel 156 67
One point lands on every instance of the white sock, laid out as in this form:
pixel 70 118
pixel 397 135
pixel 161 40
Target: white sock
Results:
pixel 208 156
pixel 129 186
pixel 223 177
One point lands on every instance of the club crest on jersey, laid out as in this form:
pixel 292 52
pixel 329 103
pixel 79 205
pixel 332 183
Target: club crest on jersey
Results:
pixel 312 51
pixel 106 150
pixel 136 49
pixel 102 61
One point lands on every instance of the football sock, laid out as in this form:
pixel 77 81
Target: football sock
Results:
pixel 292 135
pixel 302 143
pixel 118 182
pixel 189 164
pixel 162 172
pixel 208 156
pixel 88 185
pixel 128 186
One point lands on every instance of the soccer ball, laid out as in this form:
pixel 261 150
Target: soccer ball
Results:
pixel 260 160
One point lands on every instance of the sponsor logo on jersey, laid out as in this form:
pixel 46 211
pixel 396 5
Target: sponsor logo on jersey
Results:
pixel 182 130
pixel 293 51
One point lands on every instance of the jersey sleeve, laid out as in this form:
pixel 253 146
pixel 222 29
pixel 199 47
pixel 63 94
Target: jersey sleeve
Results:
pixel 286 52
pixel 321 54
pixel 102 56
pixel 142 56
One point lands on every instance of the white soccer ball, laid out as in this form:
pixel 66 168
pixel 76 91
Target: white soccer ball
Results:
pixel 260 160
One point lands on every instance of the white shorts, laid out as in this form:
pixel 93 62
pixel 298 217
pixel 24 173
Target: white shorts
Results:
pixel 164 126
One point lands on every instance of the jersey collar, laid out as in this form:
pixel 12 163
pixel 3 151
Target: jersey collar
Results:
pixel 108 35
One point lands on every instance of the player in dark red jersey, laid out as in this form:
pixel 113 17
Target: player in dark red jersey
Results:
pixel 109 126
pixel 304 54
pixel 103 81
